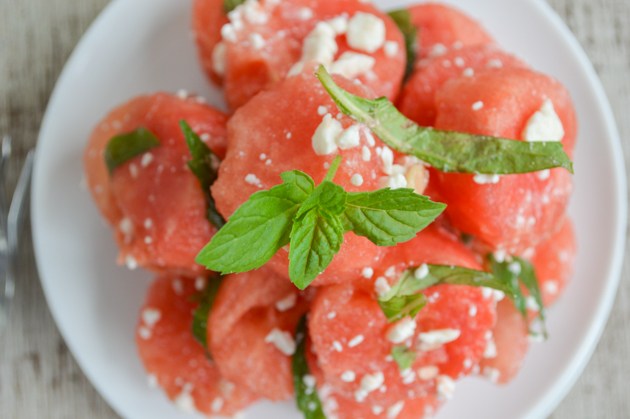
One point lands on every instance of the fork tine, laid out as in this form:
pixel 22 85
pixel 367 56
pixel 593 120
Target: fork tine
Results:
pixel 16 215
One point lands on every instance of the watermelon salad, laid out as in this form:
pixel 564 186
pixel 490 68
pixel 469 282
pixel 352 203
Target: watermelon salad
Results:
pixel 381 212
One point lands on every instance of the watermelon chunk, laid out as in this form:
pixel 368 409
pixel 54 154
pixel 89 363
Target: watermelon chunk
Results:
pixel 154 201
pixel 208 19
pixel 508 346
pixel 264 40
pixel 273 133
pixel 441 26
pixel 554 261
pixel 418 97
pixel 349 332
pixel 518 211
pixel 248 309
pixel 174 360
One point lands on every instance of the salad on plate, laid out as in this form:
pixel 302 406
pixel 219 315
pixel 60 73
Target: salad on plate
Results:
pixel 380 213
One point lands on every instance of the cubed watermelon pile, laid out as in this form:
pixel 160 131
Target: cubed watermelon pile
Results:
pixel 263 54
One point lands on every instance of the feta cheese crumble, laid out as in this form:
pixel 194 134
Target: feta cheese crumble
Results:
pixel 401 330
pixel 544 125
pixel 366 32
pixel 434 339
pixel 325 136
pixel 283 341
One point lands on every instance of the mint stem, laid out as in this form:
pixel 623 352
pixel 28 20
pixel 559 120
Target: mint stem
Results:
pixel 334 166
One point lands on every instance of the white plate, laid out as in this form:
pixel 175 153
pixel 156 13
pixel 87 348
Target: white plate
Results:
pixel 139 46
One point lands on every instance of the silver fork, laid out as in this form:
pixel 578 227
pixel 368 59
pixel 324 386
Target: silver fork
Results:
pixel 11 225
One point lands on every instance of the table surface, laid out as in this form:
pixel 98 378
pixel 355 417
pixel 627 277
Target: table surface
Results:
pixel 39 377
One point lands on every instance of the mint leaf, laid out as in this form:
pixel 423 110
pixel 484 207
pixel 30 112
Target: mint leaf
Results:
pixel 402 18
pixel 403 356
pixel 390 216
pixel 259 228
pixel 405 297
pixel 229 5
pixel 306 396
pixel 125 147
pixel 316 238
pixel 518 274
pixel 447 151
pixel 202 312
pixel 204 165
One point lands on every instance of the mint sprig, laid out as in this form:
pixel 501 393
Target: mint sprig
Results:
pixel 204 165
pixel 200 315
pixel 306 397
pixel 402 18
pixel 313 221
pixel 520 275
pixel 447 151
pixel 125 147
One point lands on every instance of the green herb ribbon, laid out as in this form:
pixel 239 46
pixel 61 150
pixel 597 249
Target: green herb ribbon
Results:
pixel 402 18
pixel 447 151
pixel 202 312
pixel 204 165
pixel 125 147
pixel 306 396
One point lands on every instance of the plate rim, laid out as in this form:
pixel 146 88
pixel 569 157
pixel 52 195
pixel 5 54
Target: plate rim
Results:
pixel 581 357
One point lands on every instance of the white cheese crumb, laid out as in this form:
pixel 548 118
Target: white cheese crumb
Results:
pixel 144 332
pixel 366 32
pixel 184 401
pixel 532 304
pixel 377 410
pixel 544 125
pixel 428 373
pixel 178 287
pixel 491 350
pixel 126 226
pixel 219 58
pixel 551 287
pixel 472 310
pixel 494 63
pixel 283 341
pixel 200 283
pixel 438 50
pixel 544 174
pixel 348 376
pixel 356 341
pixel 469 72
pixel 349 138
pixel 396 181
pixel 182 94
pixel 252 179
pixel 367 272
pixel 148 223
pixel 305 13
pixel 337 346
pixel 391 48
pixel 366 154
pixel 381 286
pixel 421 272
pixel 394 410
pixel 339 24
pixel 151 316
pixel 309 381
pixel 445 387
pixel 217 404
pixel 477 106
pixel 401 330
pixel 514 268
pixel 492 374
pixel 131 263
pixel 146 160
pixel 331 315
pixel 459 62
pixel 324 138
pixel 286 303
pixel 257 41
pixel 320 44
pixel 486 179
pixel 369 383
pixel 356 179
pixel 352 65
pixel 322 110
pixel 436 338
